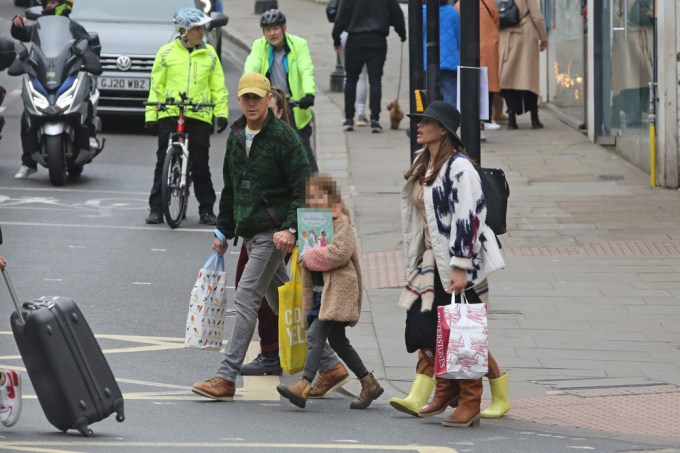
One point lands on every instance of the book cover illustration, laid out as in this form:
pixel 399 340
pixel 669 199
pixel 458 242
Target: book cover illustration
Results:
pixel 315 228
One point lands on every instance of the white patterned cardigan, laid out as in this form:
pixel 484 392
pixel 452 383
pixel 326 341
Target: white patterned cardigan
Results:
pixel 456 217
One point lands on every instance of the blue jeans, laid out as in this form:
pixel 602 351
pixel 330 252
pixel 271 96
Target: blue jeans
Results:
pixel 449 86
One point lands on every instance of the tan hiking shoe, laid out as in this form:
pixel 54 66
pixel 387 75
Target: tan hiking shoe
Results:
pixel 215 388
pixel 296 394
pixel 329 381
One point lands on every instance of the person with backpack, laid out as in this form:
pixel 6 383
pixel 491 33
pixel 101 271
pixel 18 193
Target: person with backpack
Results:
pixel 449 250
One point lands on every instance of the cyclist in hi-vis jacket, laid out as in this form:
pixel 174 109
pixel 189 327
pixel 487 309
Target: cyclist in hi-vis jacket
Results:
pixel 187 65
pixel 285 60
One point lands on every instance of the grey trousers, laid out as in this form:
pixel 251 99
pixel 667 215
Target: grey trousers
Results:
pixel 262 276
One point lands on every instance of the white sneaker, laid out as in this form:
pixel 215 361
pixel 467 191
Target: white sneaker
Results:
pixel 362 121
pixel 10 399
pixel 492 126
pixel 94 144
pixel 482 136
pixel 24 172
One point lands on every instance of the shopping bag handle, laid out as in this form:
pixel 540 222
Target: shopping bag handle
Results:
pixel 294 266
pixel 219 262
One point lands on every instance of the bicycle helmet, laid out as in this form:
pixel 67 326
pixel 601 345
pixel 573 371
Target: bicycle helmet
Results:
pixel 64 8
pixel 271 18
pixel 189 18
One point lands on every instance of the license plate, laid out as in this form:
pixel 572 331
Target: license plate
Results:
pixel 122 83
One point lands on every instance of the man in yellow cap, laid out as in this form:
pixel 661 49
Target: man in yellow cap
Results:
pixel 265 169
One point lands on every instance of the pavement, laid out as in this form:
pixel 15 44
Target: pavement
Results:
pixel 586 314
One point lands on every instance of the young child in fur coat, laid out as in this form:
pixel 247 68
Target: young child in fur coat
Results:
pixel 331 281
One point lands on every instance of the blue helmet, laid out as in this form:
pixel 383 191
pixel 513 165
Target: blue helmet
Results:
pixel 189 18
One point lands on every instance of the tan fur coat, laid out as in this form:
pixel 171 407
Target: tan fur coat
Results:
pixel 342 287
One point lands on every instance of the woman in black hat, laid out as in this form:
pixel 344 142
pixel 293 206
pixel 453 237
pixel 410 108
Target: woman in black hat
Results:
pixel 448 249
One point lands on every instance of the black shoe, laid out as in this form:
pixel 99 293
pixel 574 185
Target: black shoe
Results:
pixel 263 365
pixel 207 218
pixel 376 127
pixel 348 125
pixel 154 218
pixel 512 121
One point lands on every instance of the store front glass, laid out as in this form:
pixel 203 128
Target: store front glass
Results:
pixel 626 66
pixel 567 56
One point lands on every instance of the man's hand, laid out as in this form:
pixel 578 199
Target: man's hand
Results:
pixel 3 262
pixel 403 38
pixel 220 247
pixel 19 21
pixel 284 241
pixel 337 48
pixel 306 101
pixel 543 46
pixel 458 281
pixel 222 124
pixel 151 127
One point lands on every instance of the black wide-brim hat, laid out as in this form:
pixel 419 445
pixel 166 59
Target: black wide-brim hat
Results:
pixel 447 114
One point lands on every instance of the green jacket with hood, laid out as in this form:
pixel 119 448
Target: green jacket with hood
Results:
pixel 271 176
pixel 197 73
pixel 298 64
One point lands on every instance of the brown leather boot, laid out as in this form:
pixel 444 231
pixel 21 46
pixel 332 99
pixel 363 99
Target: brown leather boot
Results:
pixel 370 391
pixel 469 401
pixel 425 363
pixel 215 388
pixel 297 393
pixel 329 381
pixel 445 393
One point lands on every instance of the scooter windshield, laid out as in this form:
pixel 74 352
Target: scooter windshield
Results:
pixel 52 36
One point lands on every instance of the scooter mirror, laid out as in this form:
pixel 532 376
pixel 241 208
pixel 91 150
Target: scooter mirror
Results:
pixel 33 13
pixel 80 47
pixel 217 20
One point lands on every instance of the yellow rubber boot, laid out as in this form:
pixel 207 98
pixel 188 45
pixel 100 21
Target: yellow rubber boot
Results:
pixel 417 398
pixel 499 398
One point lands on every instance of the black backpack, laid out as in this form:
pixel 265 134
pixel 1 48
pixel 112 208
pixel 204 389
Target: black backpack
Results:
pixel 332 10
pixel 509 13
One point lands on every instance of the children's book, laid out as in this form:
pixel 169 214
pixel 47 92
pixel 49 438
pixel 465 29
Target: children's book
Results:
pixel 315 228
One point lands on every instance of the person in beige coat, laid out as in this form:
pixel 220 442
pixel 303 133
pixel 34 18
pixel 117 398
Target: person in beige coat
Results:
pixel 331 301
pixel 519 51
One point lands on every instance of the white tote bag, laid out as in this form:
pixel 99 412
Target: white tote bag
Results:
pixel 462 341
pixel 207 307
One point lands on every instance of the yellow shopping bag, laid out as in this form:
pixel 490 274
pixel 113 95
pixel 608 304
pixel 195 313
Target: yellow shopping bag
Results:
pixel 292 336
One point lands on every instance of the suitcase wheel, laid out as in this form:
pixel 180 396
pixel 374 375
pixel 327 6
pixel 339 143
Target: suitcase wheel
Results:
pixel 120 418
pixel 81 425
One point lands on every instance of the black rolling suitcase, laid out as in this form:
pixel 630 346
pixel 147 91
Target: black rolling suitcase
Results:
pixel 70 375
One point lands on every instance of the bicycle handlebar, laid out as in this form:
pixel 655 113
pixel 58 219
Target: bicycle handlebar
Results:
pixel 162 106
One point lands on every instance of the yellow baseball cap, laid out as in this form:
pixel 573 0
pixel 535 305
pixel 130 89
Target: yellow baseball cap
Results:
pixel 254 83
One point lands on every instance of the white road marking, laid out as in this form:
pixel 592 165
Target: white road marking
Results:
pixel 581 448
pixel 77 246
pixel 141 283
pixel 159 250
pixel 89 191
pixel 52 279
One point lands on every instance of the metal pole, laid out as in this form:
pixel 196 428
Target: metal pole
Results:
pixel 469 76
pixel 338 76
pixel 432 45
pixel 416 76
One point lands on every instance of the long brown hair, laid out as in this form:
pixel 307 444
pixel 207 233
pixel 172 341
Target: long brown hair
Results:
pixel 327 185
pixel 447 149
pixel 281 103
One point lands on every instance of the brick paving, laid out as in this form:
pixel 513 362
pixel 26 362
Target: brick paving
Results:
pixel 652 412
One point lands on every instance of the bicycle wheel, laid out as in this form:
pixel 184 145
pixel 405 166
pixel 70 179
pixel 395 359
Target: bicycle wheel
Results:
pixel 174 199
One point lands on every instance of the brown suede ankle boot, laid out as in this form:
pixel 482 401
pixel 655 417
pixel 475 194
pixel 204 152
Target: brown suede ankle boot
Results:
pixel 297 393
pixel 469 402
pixel 445 393
pixel 370 391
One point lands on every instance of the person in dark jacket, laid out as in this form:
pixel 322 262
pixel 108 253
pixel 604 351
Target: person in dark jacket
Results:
pixel 449 50
pixel 23 32
pixel 265 169
pixel 367 25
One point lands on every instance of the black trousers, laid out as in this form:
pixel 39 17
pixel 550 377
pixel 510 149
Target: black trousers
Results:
pixel 306 136
pixel 520 101
pixel 199 146
pixel 371 51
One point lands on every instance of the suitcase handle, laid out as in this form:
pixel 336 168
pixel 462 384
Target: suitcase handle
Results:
pixel 13 294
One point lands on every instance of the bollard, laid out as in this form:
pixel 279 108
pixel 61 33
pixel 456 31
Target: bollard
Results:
pixel 263 5
pixel 338 76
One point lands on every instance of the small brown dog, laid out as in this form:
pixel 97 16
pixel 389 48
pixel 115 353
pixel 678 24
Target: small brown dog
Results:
pixel 396 114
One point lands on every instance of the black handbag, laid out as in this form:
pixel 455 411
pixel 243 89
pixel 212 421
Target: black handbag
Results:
pixel 332 10
pixel 496 193
pixel 509 13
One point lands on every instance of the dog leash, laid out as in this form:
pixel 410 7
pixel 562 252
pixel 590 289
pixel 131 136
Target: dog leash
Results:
pixel 401 67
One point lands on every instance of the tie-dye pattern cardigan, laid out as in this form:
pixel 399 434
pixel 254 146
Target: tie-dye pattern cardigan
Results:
pixel 456 214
